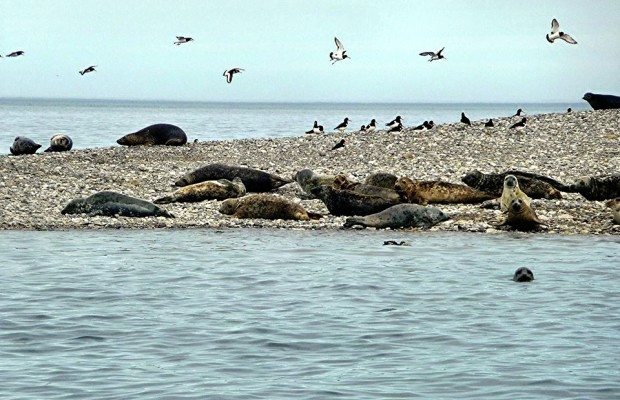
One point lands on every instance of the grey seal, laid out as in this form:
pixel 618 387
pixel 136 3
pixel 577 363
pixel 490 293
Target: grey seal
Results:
pixel 600 187
pixel 602 101
pixel 382 179
pixel 23 145
pixel 254 180
pixel 158 134
pixel 110 204
pixel 534 185
pixel 400 216
pixel 59 143
pixel 523 274
pixel 346 202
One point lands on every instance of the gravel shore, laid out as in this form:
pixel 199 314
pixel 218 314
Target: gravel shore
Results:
pixel 35 188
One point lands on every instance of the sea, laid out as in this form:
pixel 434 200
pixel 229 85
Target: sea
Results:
pixel 289 314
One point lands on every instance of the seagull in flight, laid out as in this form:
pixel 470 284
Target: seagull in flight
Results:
pixel 87 70
pixel 434 56
pixel 16 54
pixel 339 54
pixel 230 72
pixel 183 39
pixel 556 34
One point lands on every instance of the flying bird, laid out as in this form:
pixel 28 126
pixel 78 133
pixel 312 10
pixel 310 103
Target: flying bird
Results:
pixel 338 145
pixel 395 122
pixel 343 125
pixel 87 70
pixel 339 54
pixel 519 124
pixel 316 128
pixel 434 56
pixel 16 54
pixel 556 34
pixel 183 39
pixel 465 120
pixel 489 123
pixel 230 72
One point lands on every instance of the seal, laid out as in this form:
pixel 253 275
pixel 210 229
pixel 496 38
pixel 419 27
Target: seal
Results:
pixel 266 206
pixel 23 145
pixel 254 180
pixel 600 187
pixel 512 191
pixel 347 202
pixel 602 101
pixel 111 204
pixel 158 134
pixel 60 142
pixel 308 180
pixel 343 183
pixel 614 204
pixel 521 216
pixel 424 192
pixel 400 216
pixel 523 274
pixel 221 189
pixel 395 243
pixel 381 179
pixel 535 186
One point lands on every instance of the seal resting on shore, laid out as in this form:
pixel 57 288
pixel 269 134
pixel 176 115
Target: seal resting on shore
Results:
pixel 614 204
pixel 266 206
pixel 23 145
pixel 521 216
pixel 343 183
pixel 221 189
pixel 523 274
pixel 308 180
pixel 400 216
pixel 254 180
pixel 512 191
pixel 111 204
pixel 347 202
pixel 600 187
pixel 602 101
pixel 158 134
pixel 535 186
pixel 424 192
pixel 381 179
pixel 60 142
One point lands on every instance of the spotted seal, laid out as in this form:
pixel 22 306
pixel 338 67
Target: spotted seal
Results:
pixel 308 180
pixel 600 187
pixel 347 202
pixel 602 101
pixel 254 180
pixel 534 185
pixel 400 216
pixel 220 189
pixel 614 204
pixel 521 216
pixel 343 183
pixel 523 274
pixel 111 204
pixel 266 206
pixel 512 191
pixel 23 145
pixel 59 142
pixel 158 134
pixel 424 192
pixel 381 179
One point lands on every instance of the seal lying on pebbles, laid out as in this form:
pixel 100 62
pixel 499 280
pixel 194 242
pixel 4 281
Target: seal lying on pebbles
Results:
pixel 535 186
pixel 614 204
pixel 343 183
pixel 523 274
pixel 521 216
pixel 602 101
pixel 424 192
pixel 158 134
pixel 308 180
pixel 110 204
pixel 512 191
pixel 346 202
pixel 221 189
pixel 60 142
pixel 266 206
pixel 23 145
pixel 601 187
pixel 400 216
pixel 381 179
pixel 253 179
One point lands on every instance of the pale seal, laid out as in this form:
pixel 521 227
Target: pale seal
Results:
pixel 400 216
pixel 221 189
pixel 23 145
pixel 111 204
pixel 523 274
pixel 266 206
pixel 614 204
pixel 254 180
pixel 59 143
pixel 158 134
pixel 512 191
pixel 346 202
pixel 521 216
pixel 534 185
pixel 602 101
pixel 601 187
pixel 424 192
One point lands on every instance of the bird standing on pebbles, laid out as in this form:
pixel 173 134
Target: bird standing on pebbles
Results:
pixel 316 128
pixel 343 125
pixel 371 126
pixel 489 123
pixel 338 145
pixel 520 124
pixel 465 120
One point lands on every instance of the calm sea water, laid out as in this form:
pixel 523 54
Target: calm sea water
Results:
pixel 98 123
pixel 269 314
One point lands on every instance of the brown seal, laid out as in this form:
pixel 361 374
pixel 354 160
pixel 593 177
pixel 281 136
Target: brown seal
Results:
pixel 614 204
pixel 424 192
pixel 221 189
pixel 521 216
pixel 266 206
pixel 347 202
pixel 534 185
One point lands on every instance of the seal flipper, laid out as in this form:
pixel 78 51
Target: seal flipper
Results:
pixel 164 200
pixel 351 221
pixel 174 142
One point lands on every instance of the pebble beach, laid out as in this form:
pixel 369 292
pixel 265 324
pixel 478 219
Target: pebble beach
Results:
pixel 565 146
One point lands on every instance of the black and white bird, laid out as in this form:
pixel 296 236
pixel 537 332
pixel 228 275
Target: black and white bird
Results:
pixel 87 70
pixel 338 145
pixel 434 56
pixel 518 113
pixel 424 126
pixel 339 54
pixel 363 128
pixel 371 126
pixel 430 125
pixel 465 120
pixel 230 72
pixel 556 34
pixel 343 125
pixel 519 124
pixel 489 123
pixel 16 54
pixel 396 128
pixel 569 110
pixel 395 122
pixel 316 128
pixel 183 39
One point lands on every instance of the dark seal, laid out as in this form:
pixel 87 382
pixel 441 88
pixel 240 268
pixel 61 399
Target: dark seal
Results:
pixel 23 145
pixel 254 180
pixel 59 143
pixel 400 216
pixel 601 187
pixel 523 274
pixel 602 101
pixel 158 134
pixel 534 185
pixel 111 204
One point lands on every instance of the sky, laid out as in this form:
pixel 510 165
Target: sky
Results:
pixel 495 51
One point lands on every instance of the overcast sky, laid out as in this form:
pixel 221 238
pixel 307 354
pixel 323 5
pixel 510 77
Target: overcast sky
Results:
pixel 495 50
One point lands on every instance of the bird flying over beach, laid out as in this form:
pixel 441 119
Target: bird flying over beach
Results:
pixel 230 72
pixel 339 54
pixel 183 39
pixel 16 54
pixel 434 56
pixel 556 34
pixel 87 70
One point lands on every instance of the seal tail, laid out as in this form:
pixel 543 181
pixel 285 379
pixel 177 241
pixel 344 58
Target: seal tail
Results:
pixel 313 215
